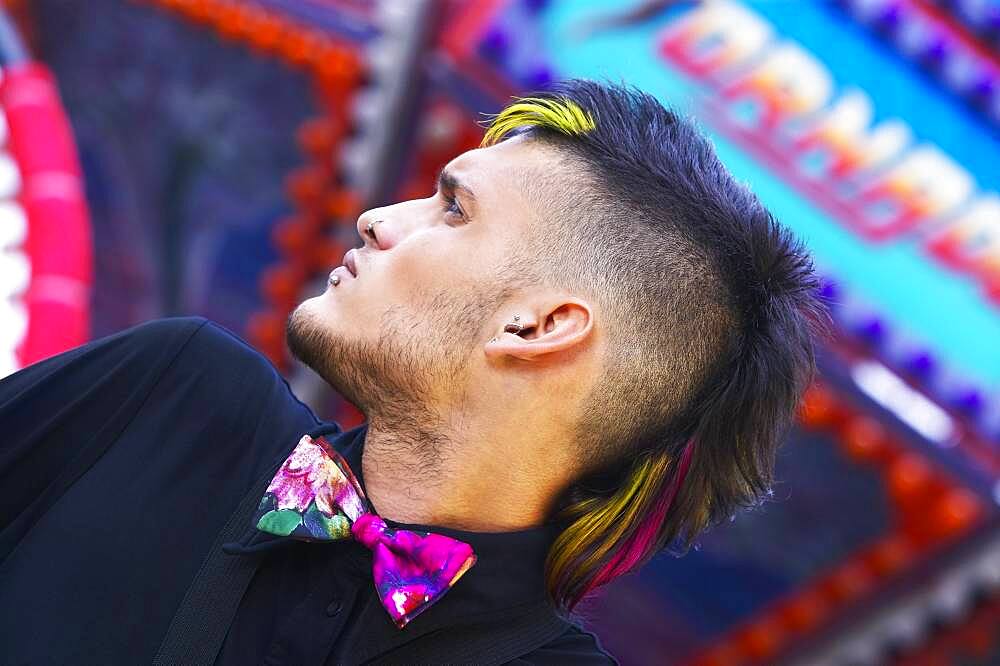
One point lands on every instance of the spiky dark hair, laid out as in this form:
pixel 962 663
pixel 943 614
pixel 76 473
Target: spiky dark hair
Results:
pixel 711 310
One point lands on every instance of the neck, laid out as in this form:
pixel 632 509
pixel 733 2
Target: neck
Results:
pixel 435 476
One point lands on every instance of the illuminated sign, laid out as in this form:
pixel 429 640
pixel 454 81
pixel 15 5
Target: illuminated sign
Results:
pixel 874 179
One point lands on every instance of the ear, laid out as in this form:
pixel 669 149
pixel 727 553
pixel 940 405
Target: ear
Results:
pixel 561 324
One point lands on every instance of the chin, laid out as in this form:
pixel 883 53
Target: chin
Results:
pixel 306 310
pixel 320 307
pixel 316 344
pixel 304 327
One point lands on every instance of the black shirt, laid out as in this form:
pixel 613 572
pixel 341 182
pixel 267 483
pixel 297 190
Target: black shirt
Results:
pixel 120 461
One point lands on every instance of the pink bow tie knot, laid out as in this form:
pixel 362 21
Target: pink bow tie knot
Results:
pixel 368 530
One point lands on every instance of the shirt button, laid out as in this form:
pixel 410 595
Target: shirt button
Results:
pixel 335 607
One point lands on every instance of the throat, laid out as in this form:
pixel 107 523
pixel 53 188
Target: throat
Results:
pixel 410 492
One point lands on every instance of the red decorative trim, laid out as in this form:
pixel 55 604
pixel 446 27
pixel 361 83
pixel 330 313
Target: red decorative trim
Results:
pixel 304 239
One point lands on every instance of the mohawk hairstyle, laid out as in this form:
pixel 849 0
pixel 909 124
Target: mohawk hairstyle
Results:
pixel 710 306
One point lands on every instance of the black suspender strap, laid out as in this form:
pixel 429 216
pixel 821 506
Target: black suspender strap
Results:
pixel 489 644
pixel 201 622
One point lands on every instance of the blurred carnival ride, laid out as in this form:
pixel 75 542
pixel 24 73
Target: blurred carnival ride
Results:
pixel 45 244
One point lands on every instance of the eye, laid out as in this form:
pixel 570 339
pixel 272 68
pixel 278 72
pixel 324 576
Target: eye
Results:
pixel 452 207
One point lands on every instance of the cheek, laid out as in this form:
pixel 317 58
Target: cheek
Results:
pixel 423 262
pixel 430 263
pixel 451 260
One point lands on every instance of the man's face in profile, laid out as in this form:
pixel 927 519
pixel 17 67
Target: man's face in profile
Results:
pixel 402 333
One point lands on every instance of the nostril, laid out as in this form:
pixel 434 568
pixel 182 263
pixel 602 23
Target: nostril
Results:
pixel 370 231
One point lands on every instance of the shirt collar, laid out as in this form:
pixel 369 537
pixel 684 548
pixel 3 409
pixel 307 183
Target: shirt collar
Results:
pixel 509 565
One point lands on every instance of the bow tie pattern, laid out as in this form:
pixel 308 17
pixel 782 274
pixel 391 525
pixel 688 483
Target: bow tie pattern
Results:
pixel 314 496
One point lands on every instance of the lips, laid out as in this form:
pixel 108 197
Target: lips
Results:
pixel 350 263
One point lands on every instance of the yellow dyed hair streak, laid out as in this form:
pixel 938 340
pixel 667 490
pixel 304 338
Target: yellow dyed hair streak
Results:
pixel 559 114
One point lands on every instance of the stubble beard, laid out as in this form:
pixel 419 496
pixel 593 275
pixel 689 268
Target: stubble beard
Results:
pixel 419 361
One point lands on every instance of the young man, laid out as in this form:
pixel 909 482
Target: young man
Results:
pixel 586 345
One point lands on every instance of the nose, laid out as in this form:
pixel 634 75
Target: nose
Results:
pixel 396 222
pixel 387 230
pixel 366 218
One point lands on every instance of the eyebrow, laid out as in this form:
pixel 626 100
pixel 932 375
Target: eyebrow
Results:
pixel 448 181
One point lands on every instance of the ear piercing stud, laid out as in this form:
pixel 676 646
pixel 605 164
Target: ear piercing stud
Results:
pixel 511 328
pixel 514 327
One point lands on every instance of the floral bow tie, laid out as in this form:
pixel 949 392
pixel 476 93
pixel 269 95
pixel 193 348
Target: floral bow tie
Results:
pixel 315 497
